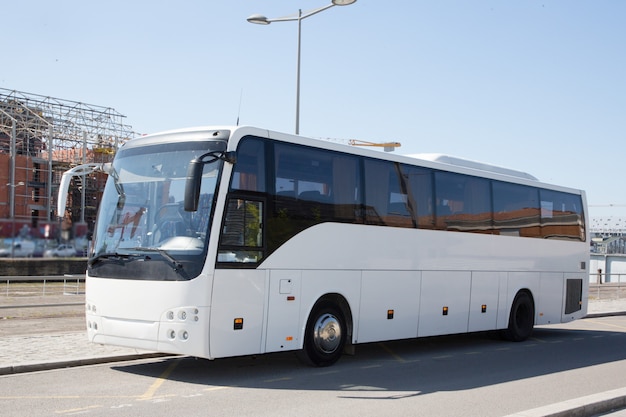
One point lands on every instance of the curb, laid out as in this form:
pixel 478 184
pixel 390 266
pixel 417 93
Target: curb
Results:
pixel 590 405
pixel 48 366
pixel 611 314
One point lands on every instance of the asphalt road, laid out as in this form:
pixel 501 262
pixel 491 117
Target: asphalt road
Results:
pixel 468 375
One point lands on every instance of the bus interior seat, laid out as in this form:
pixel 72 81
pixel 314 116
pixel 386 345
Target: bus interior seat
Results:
pixel 312 196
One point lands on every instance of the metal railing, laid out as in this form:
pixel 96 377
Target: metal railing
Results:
pixel 604 278
pixel 17 286
pixel 607 286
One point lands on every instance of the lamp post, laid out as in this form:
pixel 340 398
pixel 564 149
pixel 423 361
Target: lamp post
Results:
pixel 262 20
pixel 12 212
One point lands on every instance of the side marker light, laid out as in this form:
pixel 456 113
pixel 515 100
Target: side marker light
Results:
pixel 238 324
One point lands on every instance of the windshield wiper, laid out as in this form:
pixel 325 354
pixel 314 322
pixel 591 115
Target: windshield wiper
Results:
pixel 119 258
pixel 177 266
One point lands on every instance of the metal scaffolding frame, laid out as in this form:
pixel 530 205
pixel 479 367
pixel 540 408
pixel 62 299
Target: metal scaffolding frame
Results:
pixel 43 137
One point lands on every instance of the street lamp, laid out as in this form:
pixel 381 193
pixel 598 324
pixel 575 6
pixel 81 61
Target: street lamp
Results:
pixel 12 212
pixel 262 20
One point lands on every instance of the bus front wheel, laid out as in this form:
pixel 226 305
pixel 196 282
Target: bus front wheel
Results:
pixel 325 336
pixel 522 318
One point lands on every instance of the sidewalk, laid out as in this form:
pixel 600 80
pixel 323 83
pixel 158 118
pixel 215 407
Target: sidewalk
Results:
pixel 52 351
pixel 44 337
pixel 607 307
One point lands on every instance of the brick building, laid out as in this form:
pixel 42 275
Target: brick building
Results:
pixel 40 138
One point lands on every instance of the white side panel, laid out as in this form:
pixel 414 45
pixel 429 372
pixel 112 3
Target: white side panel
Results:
pixel 389 290
pixel 317 283
pixel 237 294
pixel 485 293
pixel 504 304
pixel 550 306
pixel 283 311
pixel 441 289
pixel 516 282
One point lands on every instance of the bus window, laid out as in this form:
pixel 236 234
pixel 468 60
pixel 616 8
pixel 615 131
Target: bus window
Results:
pixel 463 203
pixel 420 194
pixel 561 216
pixel 311 186
pixel 316 185
pixel 386 197
pixel 250 167
pixel 242 239
pixel 516 209
pixel 346 187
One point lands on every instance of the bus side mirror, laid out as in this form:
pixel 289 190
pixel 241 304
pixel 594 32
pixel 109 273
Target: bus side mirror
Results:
pixel 192 185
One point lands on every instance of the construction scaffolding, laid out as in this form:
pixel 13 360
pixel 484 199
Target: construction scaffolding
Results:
pixel 40 138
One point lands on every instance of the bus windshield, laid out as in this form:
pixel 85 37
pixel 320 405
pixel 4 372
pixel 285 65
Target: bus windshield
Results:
pixel 142 230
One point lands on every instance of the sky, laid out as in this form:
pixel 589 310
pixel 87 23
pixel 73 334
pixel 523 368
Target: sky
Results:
pixel 534 85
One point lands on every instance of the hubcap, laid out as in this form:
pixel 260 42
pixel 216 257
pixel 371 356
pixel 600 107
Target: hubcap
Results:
pixel 327 333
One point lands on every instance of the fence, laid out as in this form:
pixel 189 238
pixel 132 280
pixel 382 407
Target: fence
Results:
pixel 610 291
pixel 604 278
pixel 43 286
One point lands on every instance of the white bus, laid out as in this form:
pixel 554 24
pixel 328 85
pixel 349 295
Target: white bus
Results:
pixel 227 241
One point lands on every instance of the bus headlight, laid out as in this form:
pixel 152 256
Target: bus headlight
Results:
pixel 182 314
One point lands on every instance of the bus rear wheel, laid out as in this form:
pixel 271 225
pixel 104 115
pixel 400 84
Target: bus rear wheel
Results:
pixel 522 318
pixel 325 336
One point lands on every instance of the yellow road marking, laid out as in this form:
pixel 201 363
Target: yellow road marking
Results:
pixel 159 381
pixel 608 324
pixel 391 352
pixel 278 379
pixel 66 397
pixel 214 388
pixel 76 410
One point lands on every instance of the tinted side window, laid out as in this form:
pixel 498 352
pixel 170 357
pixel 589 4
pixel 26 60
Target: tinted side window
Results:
pixel 561 216
pixel 250 167
pixel 386 197
pixel 516 210
pixel 241 239
pixel 311 186
pixel 316 184
pixel 462 203
pixel 420 194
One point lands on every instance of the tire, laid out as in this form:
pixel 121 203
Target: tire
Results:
pixel 325 336
pixel 522 318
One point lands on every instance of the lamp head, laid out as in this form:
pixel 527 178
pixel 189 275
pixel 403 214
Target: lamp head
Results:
pixel 343 2
pixel 259 19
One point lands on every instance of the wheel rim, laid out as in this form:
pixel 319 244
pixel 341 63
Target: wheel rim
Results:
pixel 327 333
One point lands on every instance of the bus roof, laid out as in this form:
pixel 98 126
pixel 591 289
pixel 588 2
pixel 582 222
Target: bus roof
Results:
pixel 466 163
pixel 224 132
